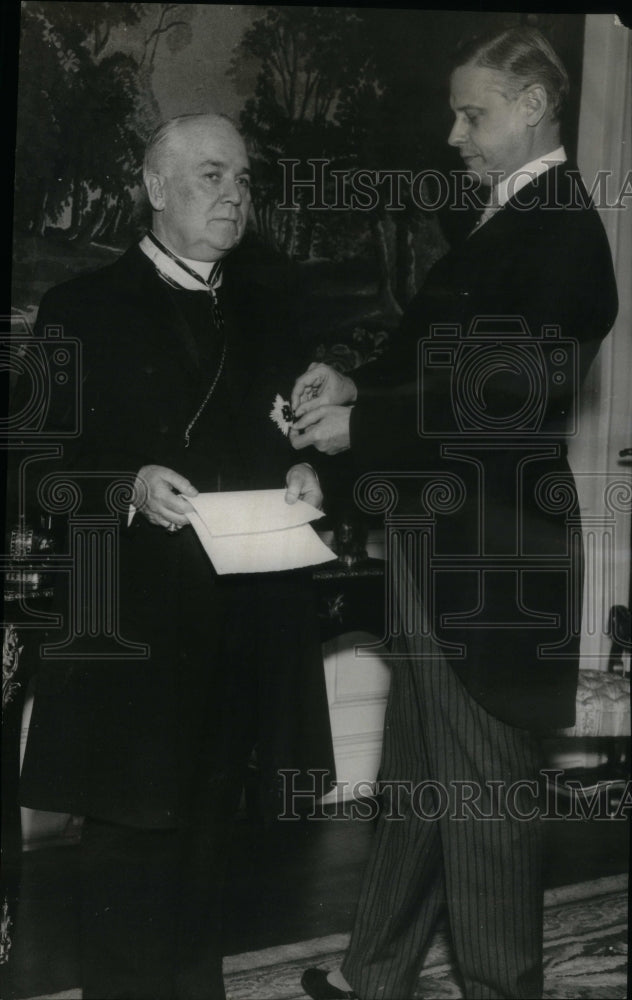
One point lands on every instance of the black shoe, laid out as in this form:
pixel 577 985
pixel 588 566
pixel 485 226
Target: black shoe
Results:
pixel 314 982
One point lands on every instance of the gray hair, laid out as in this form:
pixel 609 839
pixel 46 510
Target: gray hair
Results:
pixel 524 57
pixel 160 140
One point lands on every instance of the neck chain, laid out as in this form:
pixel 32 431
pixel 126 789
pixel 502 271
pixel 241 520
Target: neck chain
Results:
pixel 218 320
pixel 213 278
pixel 192 423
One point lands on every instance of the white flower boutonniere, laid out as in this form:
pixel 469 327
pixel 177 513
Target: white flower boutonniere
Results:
pixel 281 414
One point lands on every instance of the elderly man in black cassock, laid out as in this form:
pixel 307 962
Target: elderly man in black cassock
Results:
pixel 181 360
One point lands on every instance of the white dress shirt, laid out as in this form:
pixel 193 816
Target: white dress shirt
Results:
pixel 509 187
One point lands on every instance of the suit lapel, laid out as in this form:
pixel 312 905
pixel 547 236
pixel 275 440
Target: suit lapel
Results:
pixel 549 190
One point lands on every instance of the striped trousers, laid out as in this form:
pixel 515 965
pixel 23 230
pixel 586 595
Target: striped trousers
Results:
pixel 433 850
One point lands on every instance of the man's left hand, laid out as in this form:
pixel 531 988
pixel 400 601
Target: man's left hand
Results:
pixel 326 428
pixel 302 484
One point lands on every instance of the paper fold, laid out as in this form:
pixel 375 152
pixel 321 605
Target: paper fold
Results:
pixel 256 531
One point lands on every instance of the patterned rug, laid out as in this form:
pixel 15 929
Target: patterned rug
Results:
pixel 585 953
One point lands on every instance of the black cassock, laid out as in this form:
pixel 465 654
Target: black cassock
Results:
pixel 161 743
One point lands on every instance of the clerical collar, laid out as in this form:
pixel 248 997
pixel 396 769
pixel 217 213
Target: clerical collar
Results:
pixel 195 275
pixel 509 187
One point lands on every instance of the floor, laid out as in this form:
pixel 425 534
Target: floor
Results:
pixel 289 883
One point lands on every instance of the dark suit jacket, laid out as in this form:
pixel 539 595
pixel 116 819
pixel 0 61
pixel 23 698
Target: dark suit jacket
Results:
pixel 234 660
pixel 488 404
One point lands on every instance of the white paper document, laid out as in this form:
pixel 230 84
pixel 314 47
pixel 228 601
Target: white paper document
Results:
pixel 256 531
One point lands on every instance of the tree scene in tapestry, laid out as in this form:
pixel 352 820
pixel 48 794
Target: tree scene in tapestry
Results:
pixel 322 95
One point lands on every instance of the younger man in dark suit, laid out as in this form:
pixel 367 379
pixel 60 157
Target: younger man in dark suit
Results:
pixel 505 327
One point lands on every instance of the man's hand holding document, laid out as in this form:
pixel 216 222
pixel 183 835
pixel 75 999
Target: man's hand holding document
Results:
pixel 256 531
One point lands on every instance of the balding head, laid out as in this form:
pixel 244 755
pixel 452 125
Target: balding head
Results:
pixel 169 137
pixel 196 174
